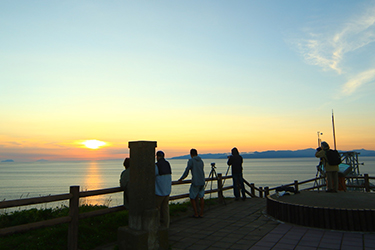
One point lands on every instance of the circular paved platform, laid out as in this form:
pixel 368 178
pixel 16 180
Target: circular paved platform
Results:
pixel 353 211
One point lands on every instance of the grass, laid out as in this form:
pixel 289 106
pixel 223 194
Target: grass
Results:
pixel 93 232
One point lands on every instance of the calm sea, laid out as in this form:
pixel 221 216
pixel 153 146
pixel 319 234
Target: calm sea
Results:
pixel 25 180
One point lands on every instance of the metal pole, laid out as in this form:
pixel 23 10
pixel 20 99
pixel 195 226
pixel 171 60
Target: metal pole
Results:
pixel 319 140
pixel 333 127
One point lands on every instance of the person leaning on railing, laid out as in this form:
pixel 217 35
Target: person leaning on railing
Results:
pixel 196 166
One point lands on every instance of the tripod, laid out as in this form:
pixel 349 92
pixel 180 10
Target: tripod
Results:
pixel 226 174
pixel 211 176
pixel 318 172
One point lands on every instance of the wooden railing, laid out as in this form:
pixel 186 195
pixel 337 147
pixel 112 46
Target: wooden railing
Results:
pixel 72 218
pixel 74 195
pixel 366 182
pixel 219 190
pixel 296 185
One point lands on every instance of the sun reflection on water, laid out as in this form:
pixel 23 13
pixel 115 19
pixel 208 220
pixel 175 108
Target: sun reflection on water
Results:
pixel 93 181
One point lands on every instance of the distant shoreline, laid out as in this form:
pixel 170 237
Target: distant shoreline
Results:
pixel 302 153
pixel 8 160
pixel 310 152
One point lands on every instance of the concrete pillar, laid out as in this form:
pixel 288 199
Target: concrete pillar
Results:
pixel 143 230
pixel 142 181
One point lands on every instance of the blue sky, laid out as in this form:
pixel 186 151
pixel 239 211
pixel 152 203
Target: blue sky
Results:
pixel 258 75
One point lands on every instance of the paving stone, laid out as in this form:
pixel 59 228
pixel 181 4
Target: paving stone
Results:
pixel 304 248
pixel 221 244
pixel 345 247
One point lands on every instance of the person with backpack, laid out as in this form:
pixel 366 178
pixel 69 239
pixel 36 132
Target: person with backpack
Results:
pixel 330 160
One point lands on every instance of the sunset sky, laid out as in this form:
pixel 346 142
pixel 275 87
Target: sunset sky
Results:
pixel 210 75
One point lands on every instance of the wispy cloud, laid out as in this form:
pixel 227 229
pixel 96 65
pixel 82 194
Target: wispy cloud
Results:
pixel 10 144
pixel 329 50
pixel 358 80
pixel 320 52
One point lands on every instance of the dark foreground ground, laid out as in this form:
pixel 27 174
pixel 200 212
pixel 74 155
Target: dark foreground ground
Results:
pixel 244 225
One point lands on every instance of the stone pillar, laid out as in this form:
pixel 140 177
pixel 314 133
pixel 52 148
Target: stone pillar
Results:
pixel 142 181
pixel 143 230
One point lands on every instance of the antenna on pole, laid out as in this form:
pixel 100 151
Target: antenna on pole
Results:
pixel 334 132
pixel 319 140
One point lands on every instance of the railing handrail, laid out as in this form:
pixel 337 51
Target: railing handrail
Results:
pixel 299 183
pixel 100 191
pixel 59 197
pixel 81 194
pixel 33 201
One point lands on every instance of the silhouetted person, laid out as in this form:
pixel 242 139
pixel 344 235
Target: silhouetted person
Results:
pixel 331 170
pixel 124 181
pixel 235 160
pixel 196 166
pixel 163 186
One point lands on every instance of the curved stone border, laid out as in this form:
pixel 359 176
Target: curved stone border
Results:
pixel 322 217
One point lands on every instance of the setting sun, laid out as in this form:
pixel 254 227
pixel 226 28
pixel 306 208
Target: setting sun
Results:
pixel 93 144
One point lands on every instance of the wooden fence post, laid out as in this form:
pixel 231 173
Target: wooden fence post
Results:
pixel 73 214
pixel 367 183
pixel 252 189
pixel 220 187
pixel 266 191
pixel 260 192
pixel 296 185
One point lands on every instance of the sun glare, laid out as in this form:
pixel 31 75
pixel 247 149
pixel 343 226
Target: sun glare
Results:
pixel 93 144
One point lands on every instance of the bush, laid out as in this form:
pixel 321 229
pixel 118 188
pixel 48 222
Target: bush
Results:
pixel 93 231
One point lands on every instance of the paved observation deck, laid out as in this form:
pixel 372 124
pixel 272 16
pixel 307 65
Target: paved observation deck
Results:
pixel 244 225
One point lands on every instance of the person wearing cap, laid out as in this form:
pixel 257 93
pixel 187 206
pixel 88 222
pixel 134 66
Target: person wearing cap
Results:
pixel 196 165
pixel 163 186
pixel 331 170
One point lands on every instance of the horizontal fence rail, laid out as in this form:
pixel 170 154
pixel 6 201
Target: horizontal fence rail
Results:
pixel 33 201
pixel 363 182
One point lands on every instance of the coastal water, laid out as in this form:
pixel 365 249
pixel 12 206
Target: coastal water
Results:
pixel 25 180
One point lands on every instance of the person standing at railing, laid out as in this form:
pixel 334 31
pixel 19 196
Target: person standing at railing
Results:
pixel 163 186
pixel 124 181
pixel 196 166
pixel 235 160
pixel 331 170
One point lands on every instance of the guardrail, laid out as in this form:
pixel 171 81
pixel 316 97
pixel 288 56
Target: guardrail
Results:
pixel 362 182
pixel 365 182
pixel 74 216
